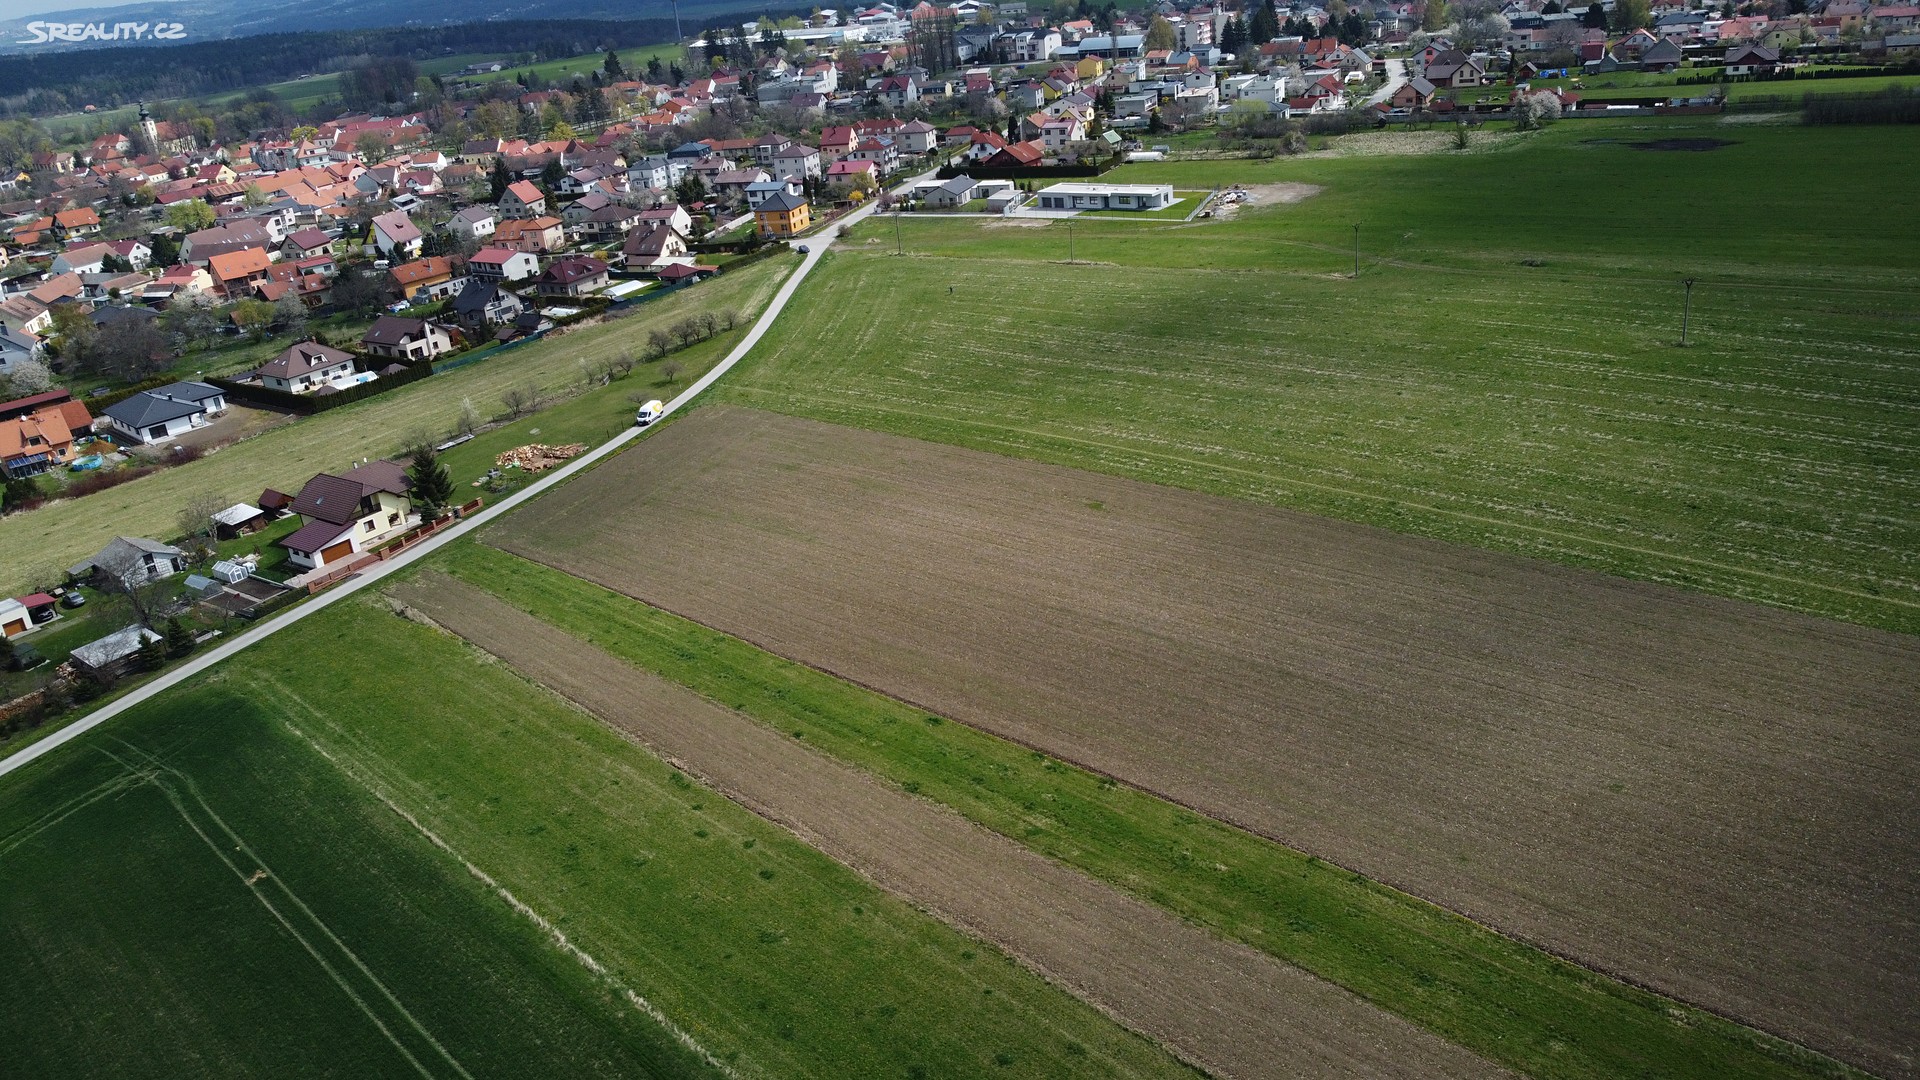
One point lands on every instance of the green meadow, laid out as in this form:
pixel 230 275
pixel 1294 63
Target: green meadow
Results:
pixel 1505 371
pixel 419 862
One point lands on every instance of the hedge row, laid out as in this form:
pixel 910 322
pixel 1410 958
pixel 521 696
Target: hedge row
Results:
pixel 98 402
pixel 308 404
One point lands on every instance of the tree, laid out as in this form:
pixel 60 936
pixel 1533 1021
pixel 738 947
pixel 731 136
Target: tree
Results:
pixel 1233 39
pixel 190 215
pixel 197 528
pixel 128 350
pixel 253 317
pixel 152 655
pixel 25 377
pixel 1159 33
pixel 18 493
pixel 659 343
pixel 520 400
pixel 166 251
pixel 498 179
pixel 358 291
pixel 122 571
pixel 1535 111
pixel 1265 24
pixel 1595 18
pixel 690 189
pixel 429 485
pixel 371 146
pixel 655 70
pixel 1631 15
pixel 190 321
pixel 469 419
pixel 290 316
pixel 612 67
pixel 1486 28
pixel 179 639
pixel 1433 16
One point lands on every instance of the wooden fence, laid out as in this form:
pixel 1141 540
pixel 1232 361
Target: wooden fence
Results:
pixel 368 558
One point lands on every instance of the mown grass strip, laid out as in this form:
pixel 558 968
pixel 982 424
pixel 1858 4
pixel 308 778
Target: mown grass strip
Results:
pixel 1514 1003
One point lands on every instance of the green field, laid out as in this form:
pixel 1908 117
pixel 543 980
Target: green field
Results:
pixel 1515 1004
pixel 632 60
pixel 1504 372
pixel 40 543
pixel 412 831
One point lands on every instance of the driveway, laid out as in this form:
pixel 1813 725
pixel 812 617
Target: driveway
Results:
pixel 1396 78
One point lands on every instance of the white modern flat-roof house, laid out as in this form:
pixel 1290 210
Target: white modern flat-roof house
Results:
pixel 1105 197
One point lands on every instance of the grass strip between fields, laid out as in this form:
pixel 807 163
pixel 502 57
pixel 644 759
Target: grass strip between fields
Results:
pixel 1514 1003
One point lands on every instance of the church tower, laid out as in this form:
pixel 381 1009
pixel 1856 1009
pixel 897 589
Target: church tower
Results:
pixel 149 128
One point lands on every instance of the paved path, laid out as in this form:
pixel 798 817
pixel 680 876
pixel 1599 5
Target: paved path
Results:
pixel 1396 78
pixel 817 246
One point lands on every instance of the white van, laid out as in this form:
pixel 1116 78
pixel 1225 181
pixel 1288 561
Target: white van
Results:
pixel 649 412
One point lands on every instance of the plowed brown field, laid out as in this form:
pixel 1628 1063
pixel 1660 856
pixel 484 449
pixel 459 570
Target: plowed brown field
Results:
pixel 1220 1005
pixel 1718 800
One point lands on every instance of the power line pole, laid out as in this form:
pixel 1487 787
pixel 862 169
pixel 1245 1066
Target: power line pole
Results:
pixel 1686 312
pixel 677 37
pixel 900 244
pixel 1356 249
pixel 1069 243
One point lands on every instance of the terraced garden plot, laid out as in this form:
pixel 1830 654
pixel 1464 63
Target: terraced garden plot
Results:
pixel 1702 796
pixel 1218 1004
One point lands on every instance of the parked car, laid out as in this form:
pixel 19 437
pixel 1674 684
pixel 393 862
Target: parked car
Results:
pixel 649 412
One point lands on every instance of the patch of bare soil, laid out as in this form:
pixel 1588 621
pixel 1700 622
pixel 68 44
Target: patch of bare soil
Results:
pixel 1221 1005
pixel 1224 205
pixel 1715 799
pixel 1016 223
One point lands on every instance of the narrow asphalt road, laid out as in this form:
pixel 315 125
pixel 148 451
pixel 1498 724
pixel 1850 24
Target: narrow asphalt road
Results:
pixel 817 246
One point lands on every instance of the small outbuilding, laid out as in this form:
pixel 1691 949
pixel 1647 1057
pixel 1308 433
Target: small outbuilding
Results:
pixel 238 520
pixel 113 654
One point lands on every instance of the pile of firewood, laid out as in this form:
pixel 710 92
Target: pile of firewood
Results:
pixel 538 456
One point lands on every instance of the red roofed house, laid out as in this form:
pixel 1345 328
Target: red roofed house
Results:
pixel 522 200
pixel 502 264
pixel 536 234
pixel 235 272
pixel 410 278
pixel 1018 155
pixel 43 439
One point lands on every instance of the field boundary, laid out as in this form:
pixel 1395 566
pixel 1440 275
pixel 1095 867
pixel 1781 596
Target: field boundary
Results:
pixel 1816 1062
pixel 1353 493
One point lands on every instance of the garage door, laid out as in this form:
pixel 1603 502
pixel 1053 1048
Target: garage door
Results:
pixel 18 626
pixel 338 551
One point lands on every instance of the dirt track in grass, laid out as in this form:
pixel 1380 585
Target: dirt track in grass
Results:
pixel 1714 799
pixel 1221 1005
